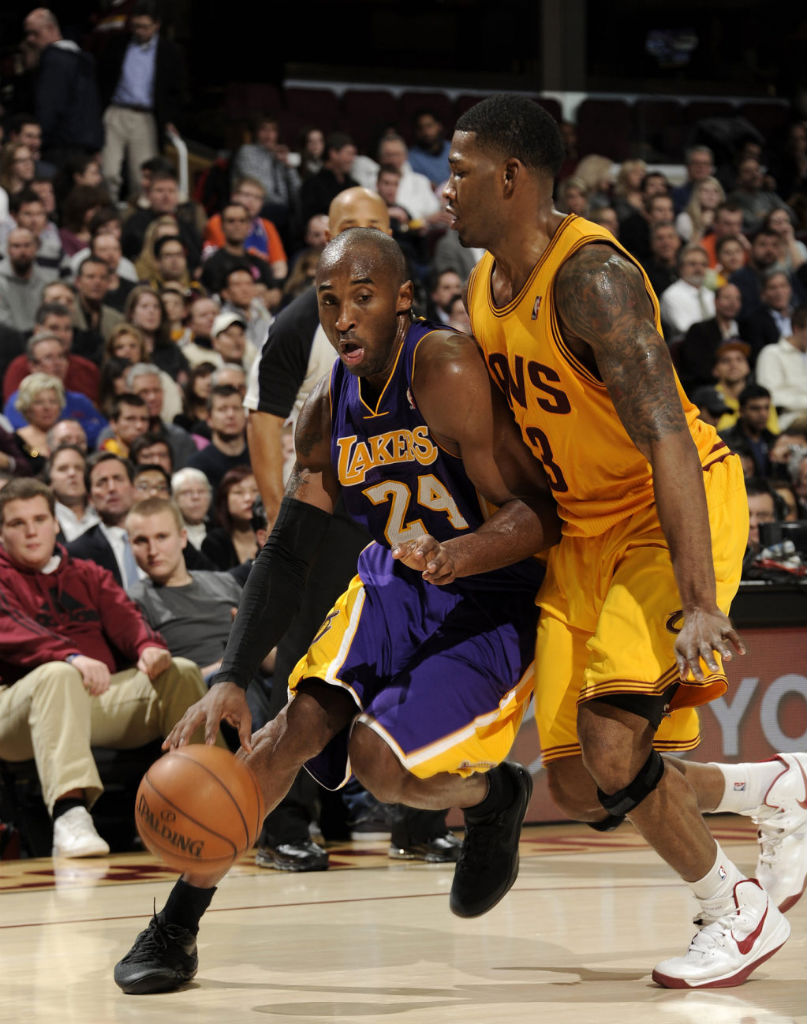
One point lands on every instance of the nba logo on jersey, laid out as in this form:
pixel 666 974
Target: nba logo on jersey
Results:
pixel 410 399
pixel 722 872
pixel 739 787
pixel 536 307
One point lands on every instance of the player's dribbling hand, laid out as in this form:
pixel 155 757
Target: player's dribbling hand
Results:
pixel 427 556
pixel 223 702
pixel 702 634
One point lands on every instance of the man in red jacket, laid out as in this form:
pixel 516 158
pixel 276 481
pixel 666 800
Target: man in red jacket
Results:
pixel 63 624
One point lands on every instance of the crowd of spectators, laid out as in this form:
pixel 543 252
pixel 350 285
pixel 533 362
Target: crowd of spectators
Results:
pixel 131 314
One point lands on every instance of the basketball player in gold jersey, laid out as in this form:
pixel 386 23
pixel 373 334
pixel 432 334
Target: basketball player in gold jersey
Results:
pixel 634 622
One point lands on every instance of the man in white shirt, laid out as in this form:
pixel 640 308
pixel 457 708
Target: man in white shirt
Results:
pixel 415 192
pixel 688 300
pixel 64 473
pixel 782 369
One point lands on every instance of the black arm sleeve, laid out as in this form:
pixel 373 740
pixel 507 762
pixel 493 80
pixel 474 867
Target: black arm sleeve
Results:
pixel 273 590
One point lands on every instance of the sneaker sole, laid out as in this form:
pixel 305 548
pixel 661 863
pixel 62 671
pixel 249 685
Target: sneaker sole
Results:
pixel 148 983
pixel 728 980
pixel 791 901
pixel 294 868
pixel 526 794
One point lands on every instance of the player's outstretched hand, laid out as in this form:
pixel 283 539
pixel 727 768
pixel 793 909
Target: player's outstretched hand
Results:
pixel 429 557
pixel 703 633
pixel 223 702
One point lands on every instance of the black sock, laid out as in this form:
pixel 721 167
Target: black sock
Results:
pixel 186 904
pixel 66 804
pixel 500 795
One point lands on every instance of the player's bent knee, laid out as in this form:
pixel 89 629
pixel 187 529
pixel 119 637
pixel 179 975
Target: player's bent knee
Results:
pixel 375 765
pixel 572 789
pixel 625 800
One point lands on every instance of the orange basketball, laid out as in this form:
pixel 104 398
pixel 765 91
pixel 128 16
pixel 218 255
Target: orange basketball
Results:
pixel 198 808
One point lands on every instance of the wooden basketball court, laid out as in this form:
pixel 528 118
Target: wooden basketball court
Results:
pixel 372 940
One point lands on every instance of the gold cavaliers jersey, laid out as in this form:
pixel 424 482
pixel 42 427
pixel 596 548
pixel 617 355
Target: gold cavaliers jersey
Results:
pixel 566 416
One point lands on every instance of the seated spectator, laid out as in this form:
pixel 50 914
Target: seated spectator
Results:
pixel 732 372
pixel 36 401
pixel 627 196
pixel 230 342
pixel 129 420
pixel 106 246
pixel 445 287
pixel 573 196
pixel 751 195
pixel 762 509
pixel 782 369
pixel 233 541
pixel 17 168
pixel 171 264
pixel 318 191
pixel 152 450
pixel 771 320
pixel 192 493
pixel 662 266
pixel 110 486
pixel 67 431
pixel 144 310
pixel 792 253
pixel 216 267
pixel 113 383
pixel 696 356
pixel 260 236
pixel 687 300
pixel 749 279
pixel 105 221
pixel 64 474
pixel 232 375
pixel 82 375
pixel 428 154
pixel 240 298
pixel 267 161
pixel 203 312
pixel 727 223
pixel 62 691
pixel 151 480
pixel 730 257
pixel 78 209
pixel 196 392
pixel 228 443
pixel 193 610
pixel 636 231
pixel 21 282
pixel 165 226
pixel 144 379
pixel 594 171
pixel 28 211
pixel 94 319
pixel 700 164
pixel 750 434
pixel 696 220
pixel 310 150
pixel 128 342
pixel 710 404
pixel 607 218
pixel 301 277
pixel 175 302
pixel 163 198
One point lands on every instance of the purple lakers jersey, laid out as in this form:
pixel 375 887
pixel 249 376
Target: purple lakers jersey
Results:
pixel 396 480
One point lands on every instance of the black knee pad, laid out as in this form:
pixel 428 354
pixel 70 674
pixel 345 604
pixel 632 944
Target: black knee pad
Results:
pixel 647 778
pixel 607 824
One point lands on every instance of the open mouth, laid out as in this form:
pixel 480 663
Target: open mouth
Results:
pixel 351 352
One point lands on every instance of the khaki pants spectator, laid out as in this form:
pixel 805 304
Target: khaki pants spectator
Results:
pixel 48 715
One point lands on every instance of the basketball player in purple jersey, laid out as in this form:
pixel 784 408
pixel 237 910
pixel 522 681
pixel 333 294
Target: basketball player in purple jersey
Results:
pixel 418 680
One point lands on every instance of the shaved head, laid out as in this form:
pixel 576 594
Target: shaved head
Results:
pixel 375 251
pixel 358 208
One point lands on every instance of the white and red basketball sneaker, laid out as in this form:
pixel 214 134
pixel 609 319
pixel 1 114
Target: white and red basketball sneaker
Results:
pixel 727 949
pixel 782 833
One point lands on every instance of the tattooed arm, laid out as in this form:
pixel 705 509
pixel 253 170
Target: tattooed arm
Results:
pixel 275 585
pixel 603 304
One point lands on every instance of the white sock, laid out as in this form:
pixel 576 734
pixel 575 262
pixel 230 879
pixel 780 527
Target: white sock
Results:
pixel 717 885
pixel 746 784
